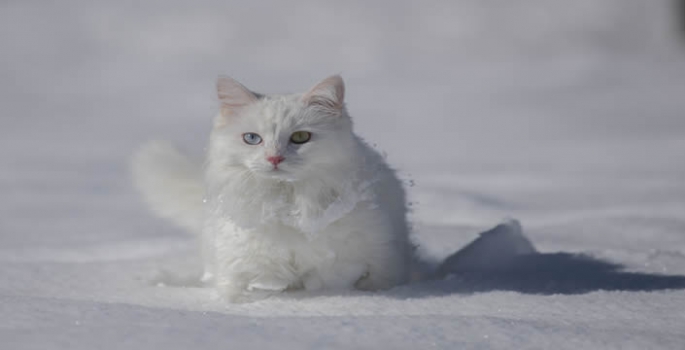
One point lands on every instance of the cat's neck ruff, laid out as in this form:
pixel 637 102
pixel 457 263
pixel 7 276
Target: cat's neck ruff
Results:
pixel 308 205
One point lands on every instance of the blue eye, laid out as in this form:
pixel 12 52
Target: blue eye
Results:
pixel 251 138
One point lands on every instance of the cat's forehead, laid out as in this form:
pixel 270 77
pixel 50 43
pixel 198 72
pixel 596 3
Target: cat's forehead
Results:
pixel 279 104
pixel 278 109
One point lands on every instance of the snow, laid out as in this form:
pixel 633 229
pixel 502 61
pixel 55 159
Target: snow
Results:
pixel 567 116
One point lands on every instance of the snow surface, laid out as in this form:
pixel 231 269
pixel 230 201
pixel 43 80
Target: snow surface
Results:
pixel 566 115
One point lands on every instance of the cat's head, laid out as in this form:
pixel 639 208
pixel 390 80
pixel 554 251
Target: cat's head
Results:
pixel 282 137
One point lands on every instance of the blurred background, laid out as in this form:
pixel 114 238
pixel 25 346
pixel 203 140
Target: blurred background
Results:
pixel 569 115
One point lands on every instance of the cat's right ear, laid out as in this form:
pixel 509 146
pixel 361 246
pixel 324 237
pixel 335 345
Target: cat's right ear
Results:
pixel 233 96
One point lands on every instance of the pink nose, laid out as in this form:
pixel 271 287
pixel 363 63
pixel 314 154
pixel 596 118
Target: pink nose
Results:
pixel 275 160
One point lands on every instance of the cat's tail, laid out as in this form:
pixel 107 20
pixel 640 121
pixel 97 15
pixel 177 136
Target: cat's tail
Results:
pixel 171 184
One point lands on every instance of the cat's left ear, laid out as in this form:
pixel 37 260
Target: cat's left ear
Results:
pixel 329 94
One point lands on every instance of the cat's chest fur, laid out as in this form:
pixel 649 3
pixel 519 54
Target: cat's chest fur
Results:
pixel 303 236
pixel 308 206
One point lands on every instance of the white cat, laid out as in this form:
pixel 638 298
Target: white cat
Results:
pixel 291 197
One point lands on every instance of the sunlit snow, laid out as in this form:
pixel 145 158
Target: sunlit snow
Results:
pixel 567 116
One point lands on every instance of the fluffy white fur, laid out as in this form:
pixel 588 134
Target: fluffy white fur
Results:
pixel 171 184
pixel 331 215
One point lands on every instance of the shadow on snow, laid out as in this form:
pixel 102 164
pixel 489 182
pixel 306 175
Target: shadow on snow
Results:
pixel 502 259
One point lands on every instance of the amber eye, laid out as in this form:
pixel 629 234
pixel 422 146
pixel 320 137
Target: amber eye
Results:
pixel 251 138
pixel 300 137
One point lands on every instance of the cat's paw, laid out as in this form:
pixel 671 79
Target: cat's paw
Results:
pixel 255 290
pixel 242 295
pixel 267 285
